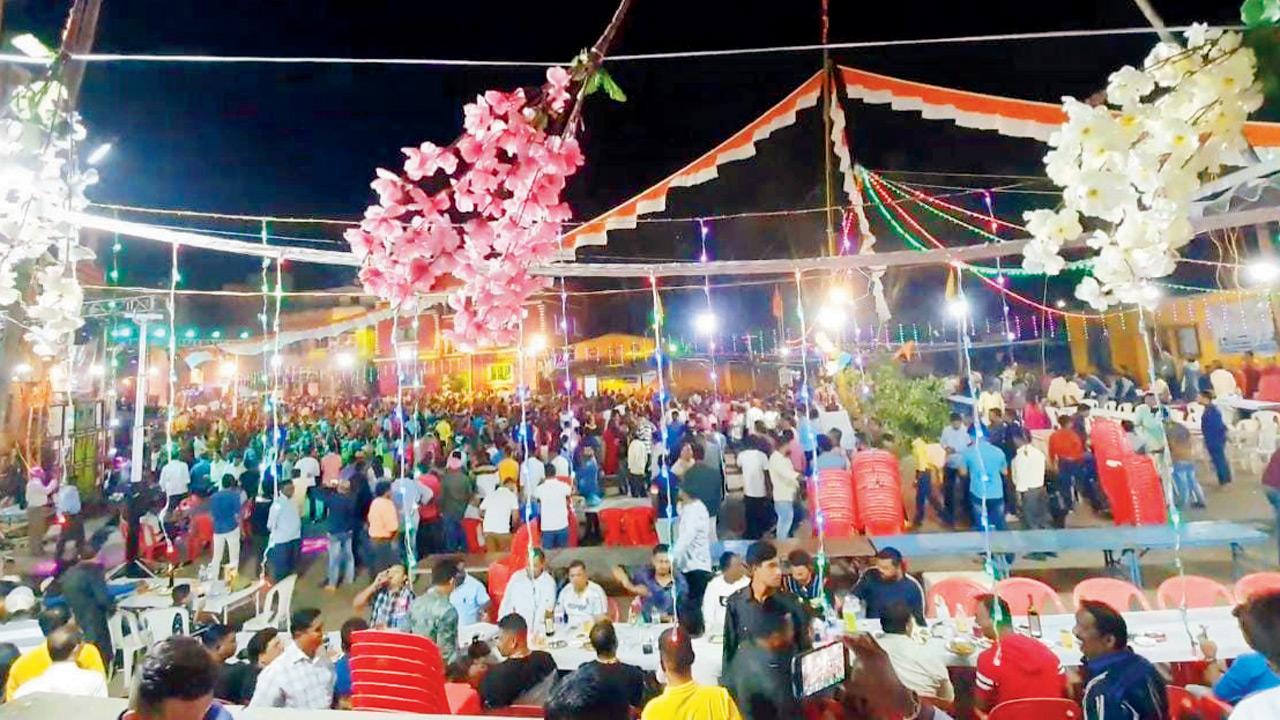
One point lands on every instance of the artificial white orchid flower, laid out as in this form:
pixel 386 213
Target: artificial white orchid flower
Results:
pixel 1128 85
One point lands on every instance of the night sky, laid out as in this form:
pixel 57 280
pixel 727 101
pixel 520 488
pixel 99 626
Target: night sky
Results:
pixel 304 140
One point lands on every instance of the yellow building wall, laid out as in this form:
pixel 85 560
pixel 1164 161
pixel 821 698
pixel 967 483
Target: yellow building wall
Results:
pixel 1197 312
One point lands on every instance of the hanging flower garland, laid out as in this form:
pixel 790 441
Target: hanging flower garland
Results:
pixel 487 208
pixel 1130 167
pixel 40 179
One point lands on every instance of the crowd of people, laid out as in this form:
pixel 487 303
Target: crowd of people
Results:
pixel 441 475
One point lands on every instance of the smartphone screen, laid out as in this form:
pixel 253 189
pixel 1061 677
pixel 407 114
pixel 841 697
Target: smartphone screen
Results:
pixel 819 669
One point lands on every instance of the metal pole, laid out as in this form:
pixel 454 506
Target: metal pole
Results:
pixel 139 400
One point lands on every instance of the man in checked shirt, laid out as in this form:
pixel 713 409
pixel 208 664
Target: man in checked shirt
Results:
pixel 302 677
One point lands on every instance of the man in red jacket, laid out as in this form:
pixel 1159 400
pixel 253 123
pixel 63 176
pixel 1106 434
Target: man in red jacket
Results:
pixel 1016 667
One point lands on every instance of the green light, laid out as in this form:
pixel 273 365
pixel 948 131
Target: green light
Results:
pixel 115 275
pixel 216 334
pixel 672 347
pixel 124 332
pixel 244 334
pixel 190 334
pixel 158 332
pixel 117 247
pixel 177 276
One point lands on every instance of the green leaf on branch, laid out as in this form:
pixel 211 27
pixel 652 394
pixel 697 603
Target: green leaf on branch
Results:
pixel 1257 13
pixel 602 80
pixel 611 87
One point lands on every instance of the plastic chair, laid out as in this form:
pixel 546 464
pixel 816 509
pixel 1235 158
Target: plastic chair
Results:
pixel 955 591
pixel 1197 591
pixel 1119 594
pixel 1037 709
pixel 611 527
pixel 127 645
pixel 1211 708
pixel 499 576
pixel 401 672
pixel 200 536
pixel 1182 704
pixel 1259 583
pixel 164 623
pixel 1023 592
pixel 276 607
pixel 471 530
pixel 641 526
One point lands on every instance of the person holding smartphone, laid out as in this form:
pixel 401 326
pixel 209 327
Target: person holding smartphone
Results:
pixel 759 678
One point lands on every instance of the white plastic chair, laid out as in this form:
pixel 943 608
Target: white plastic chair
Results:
pixel 1268 435
pixel 160 623
pixel 276 607
pixel 1125 410
pixel 1195 412
pixel 1267 417
pixel 1177 415
pixel 128 645
pixel 1109 406
pixel 1091 402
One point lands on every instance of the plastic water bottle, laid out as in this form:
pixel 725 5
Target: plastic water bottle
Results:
pixel 940 611
pixel 852 609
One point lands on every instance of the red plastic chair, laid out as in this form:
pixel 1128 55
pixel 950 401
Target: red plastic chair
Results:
pixel 1037 709
pixel 1119 594
pixel 1023 592
pixel 1197 591
pixel 200 536
pixel 519 555
pixel 152 546
pixel 1268 388
pixel 401 672
pixel 499 576
pixel 611 521
pixel 471 529
pixel 1259 583
pixel 1211 708
pixel 1182 704
pixel 641 526
pixel 955 591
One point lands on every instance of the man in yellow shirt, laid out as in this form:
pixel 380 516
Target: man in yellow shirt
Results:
pixel 32 663
pixel 684 699
pixel 508 469
pixel 929 459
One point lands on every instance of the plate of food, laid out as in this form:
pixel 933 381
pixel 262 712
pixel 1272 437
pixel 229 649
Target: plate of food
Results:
pixel 962 645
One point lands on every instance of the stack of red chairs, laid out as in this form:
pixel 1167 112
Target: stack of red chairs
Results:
pixel 611 526
pixel 639 526
pixel 1130 481
pixel 834 494
pixel 877 491
pixel 1146 491
pixel 400 672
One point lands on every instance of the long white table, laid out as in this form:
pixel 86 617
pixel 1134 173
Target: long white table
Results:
pixel 1176 645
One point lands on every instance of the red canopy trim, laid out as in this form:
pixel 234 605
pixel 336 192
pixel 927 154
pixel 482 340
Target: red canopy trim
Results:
pixel 1007 116
pixel 740 146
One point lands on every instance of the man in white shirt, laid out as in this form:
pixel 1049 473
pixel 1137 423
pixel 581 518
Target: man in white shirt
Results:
pixel 1260 624
pixel 581 601
pixel 561 464
pixel 64 676
pixel 1027 469
pixel 531 592
pixel 691 553
pixel 532 473
pixel 732 578
pixel 786 484
pixel 37 494
pixel 498 510
pixel 284 542
pixel 308 468
pixel 637 466
pixel 916 665
pixel 175 480
pixel 553 506
pixel 757 508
